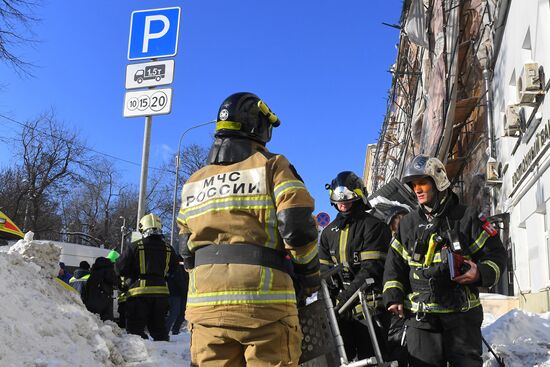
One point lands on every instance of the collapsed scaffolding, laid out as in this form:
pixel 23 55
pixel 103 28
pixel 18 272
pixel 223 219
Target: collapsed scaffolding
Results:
pixel 439 102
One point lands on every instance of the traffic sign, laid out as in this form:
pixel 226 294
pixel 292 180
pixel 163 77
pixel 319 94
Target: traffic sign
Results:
pixel 323 219
pixel 149 74
pixel 148 102
pixel 154 33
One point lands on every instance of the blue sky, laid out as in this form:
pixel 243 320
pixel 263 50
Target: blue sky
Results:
pixel 321 66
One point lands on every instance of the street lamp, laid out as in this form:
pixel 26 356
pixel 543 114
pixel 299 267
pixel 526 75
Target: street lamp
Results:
pixel 123 232
pixel 174 204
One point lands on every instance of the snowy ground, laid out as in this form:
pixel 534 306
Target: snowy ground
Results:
pixel 42 324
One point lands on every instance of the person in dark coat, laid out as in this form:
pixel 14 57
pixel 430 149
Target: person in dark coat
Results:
pixel 358 242
pixel 63 274
pixel 145 264
pixel 121 302
pixel 99 288
pixel 424 281
pixel 80 278
pixel 178 281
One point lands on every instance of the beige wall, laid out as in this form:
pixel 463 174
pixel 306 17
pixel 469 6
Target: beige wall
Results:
pixel 367 169
pixel 538 302
pixel 535 302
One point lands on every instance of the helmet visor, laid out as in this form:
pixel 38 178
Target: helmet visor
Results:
pixel 341 194
pixel 152 232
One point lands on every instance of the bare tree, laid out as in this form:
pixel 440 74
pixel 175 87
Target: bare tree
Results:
pixel 57 189
pixel 50 154
pixel 13 193
pixel 192 159
pixel 16 19
pixel 15 202
pixel 94 208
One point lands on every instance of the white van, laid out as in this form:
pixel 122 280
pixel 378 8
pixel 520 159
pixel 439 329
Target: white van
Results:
pixel 72 254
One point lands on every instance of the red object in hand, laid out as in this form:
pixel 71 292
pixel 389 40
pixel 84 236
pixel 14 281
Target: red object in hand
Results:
pixel 487 226
pixel 457 265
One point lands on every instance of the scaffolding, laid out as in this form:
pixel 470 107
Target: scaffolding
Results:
pixel 437 103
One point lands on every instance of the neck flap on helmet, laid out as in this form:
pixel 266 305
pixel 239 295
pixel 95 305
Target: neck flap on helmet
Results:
pixel 229 150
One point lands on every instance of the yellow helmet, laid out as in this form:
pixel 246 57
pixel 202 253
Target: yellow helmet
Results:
pixel 149 225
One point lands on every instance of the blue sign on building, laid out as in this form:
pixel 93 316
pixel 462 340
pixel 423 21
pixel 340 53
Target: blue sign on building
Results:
pixel 154 33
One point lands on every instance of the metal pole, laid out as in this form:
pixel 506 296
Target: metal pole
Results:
pixel 144 169
pixel 372 333
pixel 174 203
pixel 331 313
pixel 499 359
pixel 122 230
pixel 175 197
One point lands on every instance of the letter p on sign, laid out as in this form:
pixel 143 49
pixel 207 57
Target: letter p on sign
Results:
pixel 154 33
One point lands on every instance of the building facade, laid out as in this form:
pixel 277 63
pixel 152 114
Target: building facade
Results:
pixel 521 125
pixel 469 88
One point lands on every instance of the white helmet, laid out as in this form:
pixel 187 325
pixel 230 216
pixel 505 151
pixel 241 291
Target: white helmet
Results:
pixel 426 166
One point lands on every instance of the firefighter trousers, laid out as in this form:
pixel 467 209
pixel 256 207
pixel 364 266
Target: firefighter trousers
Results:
pixel 147 312
pixel 453 338
pixel 357 340
pixel 275 344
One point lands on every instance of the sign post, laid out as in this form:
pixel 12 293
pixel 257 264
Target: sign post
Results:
pixel 153 34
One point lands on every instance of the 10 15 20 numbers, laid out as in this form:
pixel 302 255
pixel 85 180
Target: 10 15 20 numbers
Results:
pixel 148 102
pixel 156 102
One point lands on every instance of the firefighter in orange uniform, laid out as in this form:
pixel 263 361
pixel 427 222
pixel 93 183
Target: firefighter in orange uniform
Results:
pixel 250 243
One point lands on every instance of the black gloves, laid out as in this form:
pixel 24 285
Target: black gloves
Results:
pixel 341 298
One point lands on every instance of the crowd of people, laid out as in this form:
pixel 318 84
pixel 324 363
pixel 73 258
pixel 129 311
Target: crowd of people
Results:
pixel 251 246
pixel 251 255
pixel 149 277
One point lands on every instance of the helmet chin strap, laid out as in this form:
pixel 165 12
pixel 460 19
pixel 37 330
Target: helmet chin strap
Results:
pixel 433 208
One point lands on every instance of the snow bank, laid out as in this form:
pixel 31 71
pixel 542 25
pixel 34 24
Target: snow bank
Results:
pixel 42 324
pixel 521 338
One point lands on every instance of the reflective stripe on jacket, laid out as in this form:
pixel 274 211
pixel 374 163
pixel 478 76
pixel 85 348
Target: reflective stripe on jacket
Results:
pixel 147 262
pixel 417 281
pixel 81 279
pixel 360 244
pixel 258 201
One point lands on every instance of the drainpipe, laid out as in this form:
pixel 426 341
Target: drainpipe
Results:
pixel 487 75
pixel 451 43
pixel 489 102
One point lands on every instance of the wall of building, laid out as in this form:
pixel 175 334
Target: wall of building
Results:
pixel 525 189
pixel 367 168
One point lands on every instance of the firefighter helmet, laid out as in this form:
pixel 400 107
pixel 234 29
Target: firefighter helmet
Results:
pixel 346 188
pixel 150 225
pixel 426 166
pixel 245 114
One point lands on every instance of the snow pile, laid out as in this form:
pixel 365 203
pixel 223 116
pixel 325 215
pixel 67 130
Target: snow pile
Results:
pixel 520 338
pixel 42 324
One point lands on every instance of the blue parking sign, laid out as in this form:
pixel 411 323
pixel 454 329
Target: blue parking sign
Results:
pixel 154 33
